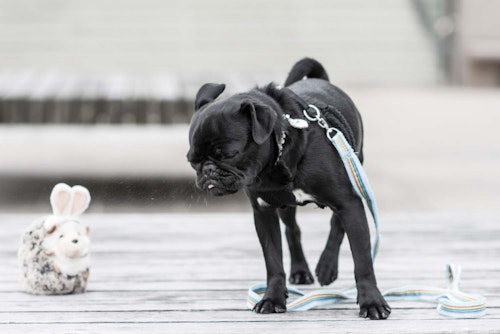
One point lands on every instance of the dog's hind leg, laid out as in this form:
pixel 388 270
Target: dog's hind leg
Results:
pixel 327 268
pixel 299 272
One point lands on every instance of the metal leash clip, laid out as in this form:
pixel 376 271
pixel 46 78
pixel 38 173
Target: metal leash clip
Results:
pixel 315 117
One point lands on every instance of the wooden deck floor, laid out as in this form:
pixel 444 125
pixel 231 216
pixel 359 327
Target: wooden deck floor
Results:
pixel 188 273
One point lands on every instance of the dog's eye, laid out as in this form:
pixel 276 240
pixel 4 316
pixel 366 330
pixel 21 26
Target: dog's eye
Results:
pixel 61 236
pixel 230 155
pixel 224 155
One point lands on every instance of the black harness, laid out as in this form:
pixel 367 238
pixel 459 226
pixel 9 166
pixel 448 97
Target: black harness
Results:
pixel 331 114
pixel 285 197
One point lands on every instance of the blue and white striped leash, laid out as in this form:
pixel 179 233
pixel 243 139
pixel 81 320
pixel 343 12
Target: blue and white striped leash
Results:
pixel 451 301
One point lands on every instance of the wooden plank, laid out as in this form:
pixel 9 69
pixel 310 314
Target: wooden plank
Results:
pixel 202 298
pixel 268 325
pixel 210 322
pixel 240 314
pixel 182 273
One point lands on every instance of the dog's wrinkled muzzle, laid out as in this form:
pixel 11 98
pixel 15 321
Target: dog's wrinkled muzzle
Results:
pixel 217 181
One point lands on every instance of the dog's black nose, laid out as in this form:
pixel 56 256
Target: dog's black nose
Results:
pixel 209 169
pixel 75 241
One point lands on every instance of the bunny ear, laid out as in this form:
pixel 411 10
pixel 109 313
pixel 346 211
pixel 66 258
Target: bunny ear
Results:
pixel 60 198
pixel 81 200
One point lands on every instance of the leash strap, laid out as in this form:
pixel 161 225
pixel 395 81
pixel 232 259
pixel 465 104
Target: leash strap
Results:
pixel 451 301
pixel 352 165
pixel 358 178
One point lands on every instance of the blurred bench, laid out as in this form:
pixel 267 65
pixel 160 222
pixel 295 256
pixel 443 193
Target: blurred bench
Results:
pixel 478 43
pixel 139 123
pixel 36 98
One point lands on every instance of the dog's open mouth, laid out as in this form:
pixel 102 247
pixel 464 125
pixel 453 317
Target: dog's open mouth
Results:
pixel 219 187
pixel 219 190
pixel 215 189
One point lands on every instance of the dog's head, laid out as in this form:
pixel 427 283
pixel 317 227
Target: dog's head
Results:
pixel 229 139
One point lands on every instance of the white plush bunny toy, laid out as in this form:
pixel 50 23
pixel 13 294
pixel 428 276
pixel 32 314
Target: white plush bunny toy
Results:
pixel 54 254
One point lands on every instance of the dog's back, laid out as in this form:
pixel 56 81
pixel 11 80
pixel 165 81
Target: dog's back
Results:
pixel 317 90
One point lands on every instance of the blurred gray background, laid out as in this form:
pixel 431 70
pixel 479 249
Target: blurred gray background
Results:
pixel 100 93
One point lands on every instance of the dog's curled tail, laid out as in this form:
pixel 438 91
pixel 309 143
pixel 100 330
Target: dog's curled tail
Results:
pixel 307 67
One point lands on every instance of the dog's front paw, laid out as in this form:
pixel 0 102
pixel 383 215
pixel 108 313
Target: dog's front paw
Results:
pixel 373 305
pixel 266 306
pixel 327 269
pixel 301 277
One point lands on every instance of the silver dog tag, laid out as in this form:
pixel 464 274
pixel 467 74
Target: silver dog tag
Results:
pixel 297 122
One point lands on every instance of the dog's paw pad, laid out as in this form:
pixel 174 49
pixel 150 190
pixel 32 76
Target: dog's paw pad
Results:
pixel 375 313
pixel 266 306
pixel 326 273
pixel 374 307
pixel 301 277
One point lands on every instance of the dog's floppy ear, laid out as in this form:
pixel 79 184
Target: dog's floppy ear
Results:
pixel 263 121
pixel 207 93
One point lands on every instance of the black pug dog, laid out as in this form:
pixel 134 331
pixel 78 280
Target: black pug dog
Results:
pixel 258 141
